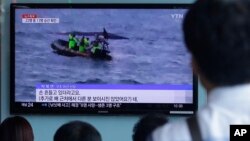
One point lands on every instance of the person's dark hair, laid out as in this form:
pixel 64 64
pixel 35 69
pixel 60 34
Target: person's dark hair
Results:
pixel 217 33
pixel 146 125
pixel 77 131
pixel 16 129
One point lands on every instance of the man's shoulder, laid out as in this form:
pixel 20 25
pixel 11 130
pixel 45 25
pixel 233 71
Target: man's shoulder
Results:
pixel 172 131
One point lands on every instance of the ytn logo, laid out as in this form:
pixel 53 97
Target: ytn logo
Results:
pixel 239 132
pixel 177 16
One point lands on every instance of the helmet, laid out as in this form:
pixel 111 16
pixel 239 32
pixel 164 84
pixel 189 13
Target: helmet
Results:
pixel 101 37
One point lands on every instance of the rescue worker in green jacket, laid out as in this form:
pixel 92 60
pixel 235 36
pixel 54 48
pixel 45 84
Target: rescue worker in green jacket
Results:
pixel 96 46
pixel 84 45
pixel 72 42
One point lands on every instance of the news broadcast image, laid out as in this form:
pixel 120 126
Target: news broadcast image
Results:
pixel 142 56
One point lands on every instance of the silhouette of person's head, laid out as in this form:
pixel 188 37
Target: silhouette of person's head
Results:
pixel 77 131
pixel 146 125
pixel 217 33
pixel 16 129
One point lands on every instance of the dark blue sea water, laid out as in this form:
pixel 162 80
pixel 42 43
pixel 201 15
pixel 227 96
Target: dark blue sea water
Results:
pixel 153 54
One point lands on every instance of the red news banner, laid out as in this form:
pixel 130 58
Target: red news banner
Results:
pixel 34 18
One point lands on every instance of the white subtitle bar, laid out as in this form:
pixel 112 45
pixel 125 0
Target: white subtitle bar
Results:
pixel 113 96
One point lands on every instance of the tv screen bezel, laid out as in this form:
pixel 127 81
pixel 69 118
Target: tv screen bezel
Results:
pixel 17 109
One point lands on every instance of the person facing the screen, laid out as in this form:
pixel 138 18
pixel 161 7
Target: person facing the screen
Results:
pixel 16 129
pixel 217 33
pixel 77 131
pixel 146 125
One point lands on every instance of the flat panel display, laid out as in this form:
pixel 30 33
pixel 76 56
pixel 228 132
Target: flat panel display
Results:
pixel 100 58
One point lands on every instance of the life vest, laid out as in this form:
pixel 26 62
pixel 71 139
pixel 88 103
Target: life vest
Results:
pixel 95 47
pixel 83 45
pixel 72 42
pixel 86 42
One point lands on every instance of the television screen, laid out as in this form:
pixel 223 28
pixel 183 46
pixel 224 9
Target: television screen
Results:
pixel 100 58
